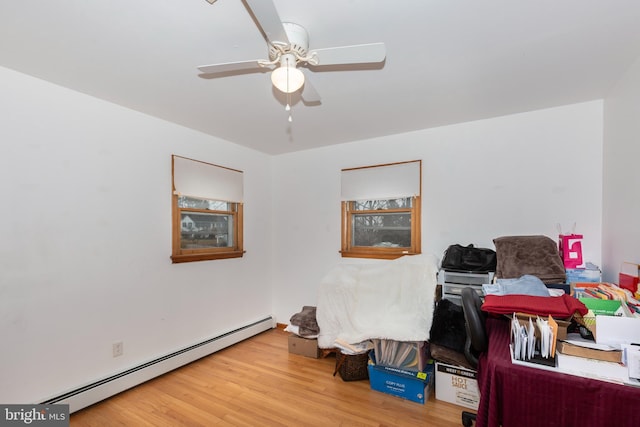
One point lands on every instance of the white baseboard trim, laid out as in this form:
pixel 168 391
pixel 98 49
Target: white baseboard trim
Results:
pixel 95 392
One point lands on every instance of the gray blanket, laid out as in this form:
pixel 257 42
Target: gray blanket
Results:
pixel 306 321
pixel 534 255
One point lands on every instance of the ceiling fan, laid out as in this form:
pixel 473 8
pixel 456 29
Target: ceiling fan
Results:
pixel 288 48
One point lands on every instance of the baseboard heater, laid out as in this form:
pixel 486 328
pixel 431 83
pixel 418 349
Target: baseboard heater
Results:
pixel 100 390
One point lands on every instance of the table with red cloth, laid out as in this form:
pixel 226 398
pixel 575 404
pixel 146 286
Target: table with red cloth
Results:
pixel 521 396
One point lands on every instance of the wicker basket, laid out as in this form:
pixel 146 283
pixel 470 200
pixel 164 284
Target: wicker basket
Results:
pixel 352 367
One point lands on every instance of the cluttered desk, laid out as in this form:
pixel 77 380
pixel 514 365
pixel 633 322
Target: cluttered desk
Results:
pixel 533 369
pixel 566 390
pixel 517 395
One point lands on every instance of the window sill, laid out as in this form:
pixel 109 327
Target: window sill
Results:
pixel 175 259
pixel 376 254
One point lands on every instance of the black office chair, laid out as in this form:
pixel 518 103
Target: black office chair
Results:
pixel 476 341
pixel 458 335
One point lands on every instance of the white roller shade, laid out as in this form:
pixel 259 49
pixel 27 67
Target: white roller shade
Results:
pixel 381 182
pixel 206 181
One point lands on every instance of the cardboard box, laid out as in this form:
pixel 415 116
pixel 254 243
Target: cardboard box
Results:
pixel 303 346
pixel 413 386
pixel 629 276
pixel 617 330
pixel 458 385
pixel 523 318
pixel 575 275
pixel 614 356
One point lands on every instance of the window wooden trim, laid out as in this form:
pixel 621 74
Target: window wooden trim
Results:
pixel 348 211
pixel 205 254
pixel 350 251
pixel 179 255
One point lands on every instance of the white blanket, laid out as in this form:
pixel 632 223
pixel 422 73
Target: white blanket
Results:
pixel 387 299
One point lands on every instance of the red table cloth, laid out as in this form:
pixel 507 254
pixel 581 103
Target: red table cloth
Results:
pixel 562 307
pixel 520 396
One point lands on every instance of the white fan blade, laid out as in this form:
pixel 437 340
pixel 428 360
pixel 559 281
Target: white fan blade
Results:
pixel 357 54
pixel 267 16
pixel 309 94
pixel 230 66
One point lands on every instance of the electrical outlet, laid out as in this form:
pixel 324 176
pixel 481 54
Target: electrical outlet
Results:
pixel 118 349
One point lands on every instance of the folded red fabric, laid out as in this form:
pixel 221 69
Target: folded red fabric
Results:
pixel 562 306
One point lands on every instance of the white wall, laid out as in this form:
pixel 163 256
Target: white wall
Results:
pixel 85 237
pixel 621 202
pixel 514 175
pixel 85 240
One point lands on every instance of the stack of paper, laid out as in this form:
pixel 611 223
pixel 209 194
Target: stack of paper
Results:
pixel 533 340
pixel 399 354
pixel 358 348
pixel 591 350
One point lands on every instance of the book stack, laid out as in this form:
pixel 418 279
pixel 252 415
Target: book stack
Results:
pixel 607 291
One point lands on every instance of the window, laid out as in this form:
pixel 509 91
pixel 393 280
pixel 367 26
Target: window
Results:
pixel 381 210
pixel 207 211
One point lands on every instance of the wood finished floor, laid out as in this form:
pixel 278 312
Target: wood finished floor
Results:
pixel 258 383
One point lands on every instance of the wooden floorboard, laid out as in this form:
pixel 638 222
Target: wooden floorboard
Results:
pixel 258 383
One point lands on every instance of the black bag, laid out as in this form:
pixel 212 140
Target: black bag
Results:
pixel 447 327
pixel 469 258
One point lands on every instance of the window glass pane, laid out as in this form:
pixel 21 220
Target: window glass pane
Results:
pixel 195 203
pixel 388 230
pixel 204 230
pixel 367 205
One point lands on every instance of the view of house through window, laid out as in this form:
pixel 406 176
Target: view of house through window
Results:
pixel 207 211
pixel 200 228
pixel 381 210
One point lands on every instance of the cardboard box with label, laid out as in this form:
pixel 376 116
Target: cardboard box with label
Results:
pixel 303 346
pixel 410 385
pixel 458 385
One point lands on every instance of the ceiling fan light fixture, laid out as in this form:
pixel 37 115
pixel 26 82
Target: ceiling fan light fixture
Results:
pixel 287 78
pixel 288 48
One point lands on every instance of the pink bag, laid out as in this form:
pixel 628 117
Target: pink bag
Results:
pixel 570 247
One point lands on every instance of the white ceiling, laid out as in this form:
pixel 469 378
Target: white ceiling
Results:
pixel 448 61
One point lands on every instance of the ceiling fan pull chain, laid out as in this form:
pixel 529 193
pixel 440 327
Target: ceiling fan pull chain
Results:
pixel 288 106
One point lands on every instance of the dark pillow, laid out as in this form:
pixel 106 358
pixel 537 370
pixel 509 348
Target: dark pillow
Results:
pixel 535 255
pixel 447 328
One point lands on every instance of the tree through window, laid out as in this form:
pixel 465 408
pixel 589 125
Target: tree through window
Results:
pixel 381 210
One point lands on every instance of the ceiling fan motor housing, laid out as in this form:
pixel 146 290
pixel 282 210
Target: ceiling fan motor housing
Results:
pixel 298 42
pixel 288 48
